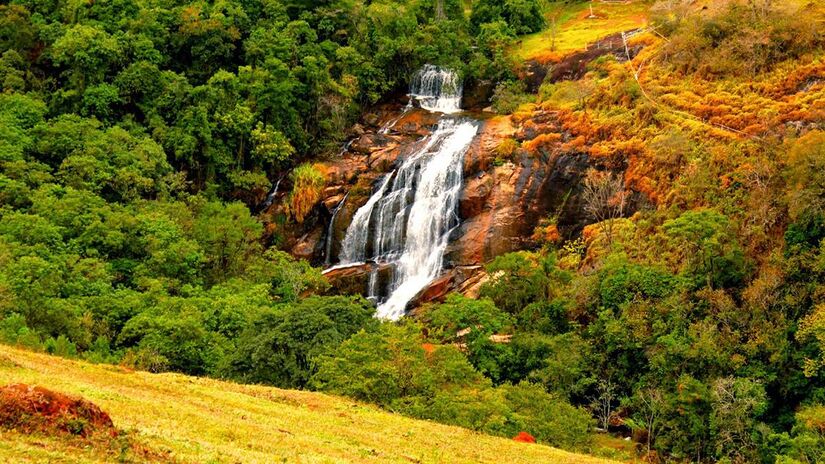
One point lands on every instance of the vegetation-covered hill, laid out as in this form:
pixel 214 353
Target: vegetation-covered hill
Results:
pixel 194 420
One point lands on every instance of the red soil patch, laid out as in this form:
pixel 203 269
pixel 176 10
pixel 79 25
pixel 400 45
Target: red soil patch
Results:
pixel 31 409
pixel 524 437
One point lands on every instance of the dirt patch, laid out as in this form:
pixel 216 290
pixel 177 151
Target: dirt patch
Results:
pixel 586 14
pixel 76 422
pixel 30 409
pixel 572 66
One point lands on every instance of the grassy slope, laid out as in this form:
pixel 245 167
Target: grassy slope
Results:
pixel 203 420
pixel 575 30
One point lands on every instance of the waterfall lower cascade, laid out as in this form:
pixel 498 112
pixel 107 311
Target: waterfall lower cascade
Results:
pixel 407 221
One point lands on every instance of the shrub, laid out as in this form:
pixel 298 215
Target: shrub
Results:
pixel 623 282
pixel 308 181
pixel 506 149
pixel 522 16
pixel 518 279
pixel 471 323
pixel 380 367
pixel 282 347
pixel 551 420
pixel 508 96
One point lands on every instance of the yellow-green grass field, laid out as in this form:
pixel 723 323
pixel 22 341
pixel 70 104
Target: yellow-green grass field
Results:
pixel 198 420
pixel 575 29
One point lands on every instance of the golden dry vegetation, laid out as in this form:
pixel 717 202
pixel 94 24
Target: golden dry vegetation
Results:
pixel 190 419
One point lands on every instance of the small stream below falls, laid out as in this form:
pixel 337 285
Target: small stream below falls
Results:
pixel 406 223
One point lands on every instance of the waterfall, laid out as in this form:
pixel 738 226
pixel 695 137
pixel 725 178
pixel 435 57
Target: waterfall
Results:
pixel 386 128
pixel 430 218
pixel 270 198
pixel 436 89
pixel 331 230
pixel 354 246
pixel 406 222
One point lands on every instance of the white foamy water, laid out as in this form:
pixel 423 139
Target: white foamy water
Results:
pixel 437 89
pixel 406 222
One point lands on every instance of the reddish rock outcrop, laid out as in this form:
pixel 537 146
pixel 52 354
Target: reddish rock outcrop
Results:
pixel 502 204
pixel 355 279
pixel 32 408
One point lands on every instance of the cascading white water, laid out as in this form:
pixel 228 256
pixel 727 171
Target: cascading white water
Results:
pixel 354 245
pixel 436 89
pixel 431 218
pixel 406 222
pixel 331 229
pixel 270 198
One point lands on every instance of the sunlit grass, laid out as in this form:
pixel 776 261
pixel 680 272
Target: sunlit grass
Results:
pixel 575 29
pixel 203 420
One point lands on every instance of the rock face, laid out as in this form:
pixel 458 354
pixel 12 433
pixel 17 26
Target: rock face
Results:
pixel 503 202
pixel 574 65
pixel 354 279
pixel 504 196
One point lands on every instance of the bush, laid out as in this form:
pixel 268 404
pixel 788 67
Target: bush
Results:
pixel 506 149
pixel 622 282
pixel 551 420
pixel 308 181
pixel 518 279
pixel 522 16
pixel 282 347
pixel 508 96
pixel 743 39
pixel 476 321
pixel 395 369
pixel 380 366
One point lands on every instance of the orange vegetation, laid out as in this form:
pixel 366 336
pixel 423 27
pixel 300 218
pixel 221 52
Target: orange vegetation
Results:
pixel 524 437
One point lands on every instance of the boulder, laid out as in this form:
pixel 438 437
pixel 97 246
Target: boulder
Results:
pixel 417 122
pixel 354 279
pixel 455 279
pixel 345 169
pixel 309 246
pixel 477 94
pixel 474 195
pixel 435 290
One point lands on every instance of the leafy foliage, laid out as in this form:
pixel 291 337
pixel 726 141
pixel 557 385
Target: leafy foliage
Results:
pixel 393 367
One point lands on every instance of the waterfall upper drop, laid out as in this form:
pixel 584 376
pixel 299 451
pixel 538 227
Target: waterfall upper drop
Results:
pixel 436 89
pixel 407 221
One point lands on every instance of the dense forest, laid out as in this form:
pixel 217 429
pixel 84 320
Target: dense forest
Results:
pixel 139 138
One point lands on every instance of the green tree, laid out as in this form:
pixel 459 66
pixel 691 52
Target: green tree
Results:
pixel 229 236
pixel 711 250
pixel 381 367
pixel 282 347
pixel 471 323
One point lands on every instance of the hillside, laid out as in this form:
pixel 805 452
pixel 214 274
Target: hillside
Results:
pixel 191 419
pixel 597 223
